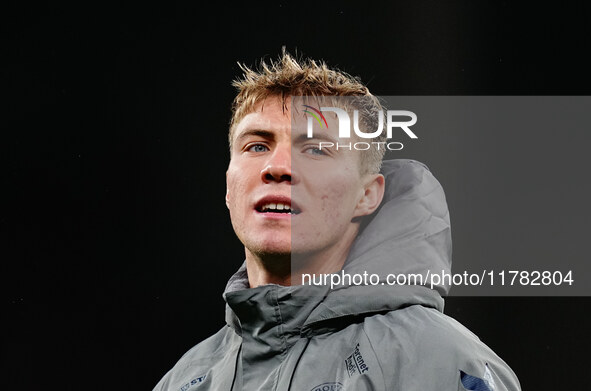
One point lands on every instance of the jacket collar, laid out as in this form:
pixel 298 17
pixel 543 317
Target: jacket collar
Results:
pixel 253 310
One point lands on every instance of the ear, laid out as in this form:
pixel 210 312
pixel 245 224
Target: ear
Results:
pixel 373 193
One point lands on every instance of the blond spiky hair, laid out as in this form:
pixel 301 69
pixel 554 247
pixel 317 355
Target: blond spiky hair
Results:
pixel 289 76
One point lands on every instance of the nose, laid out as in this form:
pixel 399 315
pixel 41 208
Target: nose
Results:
pixel 278 168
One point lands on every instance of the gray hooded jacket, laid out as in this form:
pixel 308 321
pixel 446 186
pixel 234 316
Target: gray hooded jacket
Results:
pixel 355 337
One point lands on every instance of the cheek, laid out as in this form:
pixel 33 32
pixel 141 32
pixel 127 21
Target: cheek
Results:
pixel 241 178
pixel 338 199
pixel 235 190
pixel 236 202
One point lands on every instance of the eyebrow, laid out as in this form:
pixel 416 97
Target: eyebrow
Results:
pixel 269 135
pixel 301 138
pixel 256 132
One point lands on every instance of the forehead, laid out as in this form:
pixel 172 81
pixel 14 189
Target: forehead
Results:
pixel 272 113
pixel 287 119
pixel 270 109
pixel 288 115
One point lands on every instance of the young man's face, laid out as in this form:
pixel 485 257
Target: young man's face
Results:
pixel 272 170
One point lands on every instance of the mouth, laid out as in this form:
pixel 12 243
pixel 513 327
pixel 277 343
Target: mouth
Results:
pixel 279 205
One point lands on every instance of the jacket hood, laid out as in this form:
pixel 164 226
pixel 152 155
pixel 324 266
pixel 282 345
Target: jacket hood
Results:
pixel 409 234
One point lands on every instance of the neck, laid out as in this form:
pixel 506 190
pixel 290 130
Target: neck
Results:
pixel 287 269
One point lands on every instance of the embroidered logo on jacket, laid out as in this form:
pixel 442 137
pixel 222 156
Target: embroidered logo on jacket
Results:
pixel 190 384
pixel 470 382
pixel 355 363
pixel 329 387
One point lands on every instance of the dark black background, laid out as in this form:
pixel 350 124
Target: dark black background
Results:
pixel 116 241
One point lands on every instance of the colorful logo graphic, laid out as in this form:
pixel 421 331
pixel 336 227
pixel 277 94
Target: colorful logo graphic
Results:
pixel 316 116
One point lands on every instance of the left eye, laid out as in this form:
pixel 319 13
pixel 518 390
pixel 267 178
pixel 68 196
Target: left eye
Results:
pixel 314 150
pixel 258 148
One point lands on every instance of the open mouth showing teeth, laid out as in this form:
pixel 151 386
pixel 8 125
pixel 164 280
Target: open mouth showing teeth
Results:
pixel 277 208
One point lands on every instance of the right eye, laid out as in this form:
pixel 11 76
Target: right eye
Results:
pixel 257 148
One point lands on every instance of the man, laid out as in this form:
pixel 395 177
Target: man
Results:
pixel 303 211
